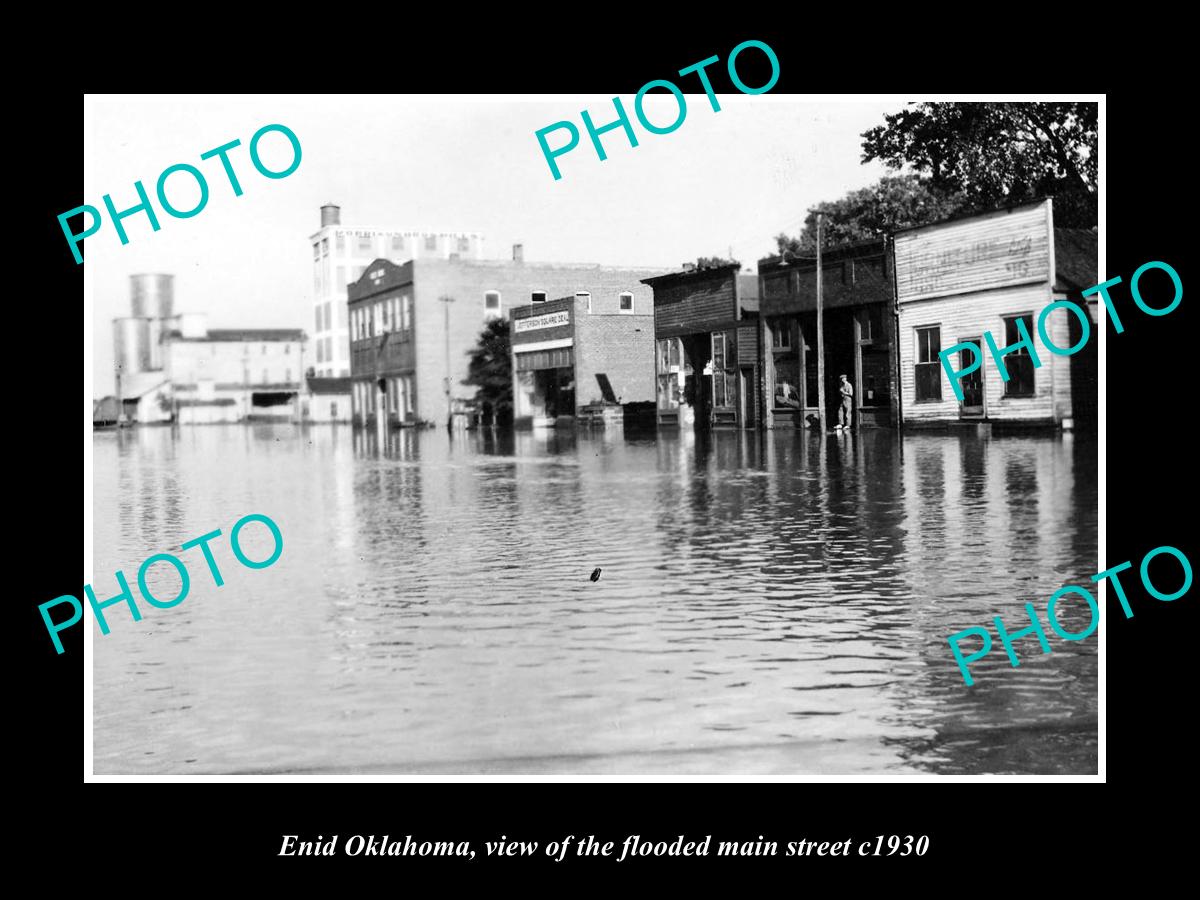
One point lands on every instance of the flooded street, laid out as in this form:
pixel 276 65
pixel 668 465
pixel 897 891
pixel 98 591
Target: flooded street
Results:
pixel 767 605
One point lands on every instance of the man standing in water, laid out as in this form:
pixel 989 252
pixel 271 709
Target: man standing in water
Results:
pixel 845 409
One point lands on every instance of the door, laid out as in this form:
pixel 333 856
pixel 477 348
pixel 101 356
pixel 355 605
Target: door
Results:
pixel 972 383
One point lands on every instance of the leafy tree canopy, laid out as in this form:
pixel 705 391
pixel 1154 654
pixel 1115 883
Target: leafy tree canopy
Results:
pixel 714 262
pixel 998 153
pixel 490 369
pixel 895 201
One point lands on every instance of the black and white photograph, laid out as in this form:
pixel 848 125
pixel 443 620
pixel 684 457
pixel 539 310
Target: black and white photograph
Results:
pixel 709 432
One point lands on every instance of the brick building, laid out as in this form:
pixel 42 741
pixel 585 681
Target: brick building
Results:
pixel 706 353
pixel 585 356
pixel 960 279
pixel 412 326
pixel 858 334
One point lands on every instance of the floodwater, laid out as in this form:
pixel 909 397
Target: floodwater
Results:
pixel 771 605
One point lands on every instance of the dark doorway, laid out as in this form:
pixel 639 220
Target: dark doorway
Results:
pixel 971 384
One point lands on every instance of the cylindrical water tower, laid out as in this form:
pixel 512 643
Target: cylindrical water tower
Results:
pixel 131 345
pixel 153 295
pixel 331 214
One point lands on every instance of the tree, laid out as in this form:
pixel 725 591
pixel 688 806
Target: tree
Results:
pixel 714 262
pixel 998 153
pixel 490 371
pixel 895 201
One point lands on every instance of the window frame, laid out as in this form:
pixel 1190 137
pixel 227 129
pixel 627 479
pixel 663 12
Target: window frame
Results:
pixel 1023 352
pixel 621 303
pixel 919 363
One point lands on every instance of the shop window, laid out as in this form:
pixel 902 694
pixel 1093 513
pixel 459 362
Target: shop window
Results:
pixel 871 325
pixel 929 366
pixel 781 335
pixel 626 302
pixel 1018 362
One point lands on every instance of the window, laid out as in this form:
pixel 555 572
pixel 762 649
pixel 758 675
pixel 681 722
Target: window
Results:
pixel 781 334
pixel 265 377
pixel 287 375
pixel 324 247
pixel 316 251
pixel 928 366
pixel 264 349
pixel 328 349
pixel 328 314
pixel 871 325
pixel 431 242
pixel 718 351
pixel 320 349
pixel 318 312
pixel 1018 362
pixel 626 302
pixel 406 312
pixel 397 244
pixel 464 245
pixel 341 243
pixel 585 295
pixel 385 314
pixel 537 297
pixel 287 348
pixel 341 278
pixel 362 245
pixel 491 301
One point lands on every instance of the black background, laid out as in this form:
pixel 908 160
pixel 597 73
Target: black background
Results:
pixel 219 835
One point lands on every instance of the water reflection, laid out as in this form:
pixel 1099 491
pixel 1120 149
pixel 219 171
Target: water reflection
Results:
pixel 775 603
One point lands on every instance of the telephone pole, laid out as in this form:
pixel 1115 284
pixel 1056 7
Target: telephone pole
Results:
pixel 820 330
pixel 449 402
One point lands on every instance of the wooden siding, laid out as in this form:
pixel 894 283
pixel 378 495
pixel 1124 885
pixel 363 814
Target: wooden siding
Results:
pixel 994 250
pixel 747 343
pixel 693 306
pixel 970 317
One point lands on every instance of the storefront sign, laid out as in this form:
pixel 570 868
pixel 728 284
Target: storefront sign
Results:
pixel 550 320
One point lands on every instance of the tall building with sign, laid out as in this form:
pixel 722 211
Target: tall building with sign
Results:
pixel 413 326
pixel 341 254
pixel 995 273
pixel 584 356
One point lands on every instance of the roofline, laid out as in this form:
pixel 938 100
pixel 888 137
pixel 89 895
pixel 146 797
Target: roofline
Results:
pixel 691 273
pixel 1004 207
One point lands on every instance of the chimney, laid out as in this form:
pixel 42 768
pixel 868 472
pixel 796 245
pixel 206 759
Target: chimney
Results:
pixel 518 253
pixel 331 214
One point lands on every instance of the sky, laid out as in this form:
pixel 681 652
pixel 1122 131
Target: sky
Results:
pixel 723 182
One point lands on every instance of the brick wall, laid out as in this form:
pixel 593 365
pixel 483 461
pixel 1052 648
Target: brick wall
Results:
pixel 620 345
pixel 467 281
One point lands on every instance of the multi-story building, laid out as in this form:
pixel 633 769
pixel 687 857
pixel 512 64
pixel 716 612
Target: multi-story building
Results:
pixel 995 273
pixel 412 326
pixel 341 254
pixel 584 357
pixel 232 375
pixel 857 325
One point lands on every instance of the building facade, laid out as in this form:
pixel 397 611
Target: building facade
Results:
pixel 584 357
pixel 340 256
pixel 858 335
pixel 706 348
pixel 957 280
pixel 234 375
pixel 412 326
pixel 325 400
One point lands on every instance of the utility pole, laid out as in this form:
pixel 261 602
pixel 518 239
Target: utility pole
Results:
pixel 449 403
pixel 820 330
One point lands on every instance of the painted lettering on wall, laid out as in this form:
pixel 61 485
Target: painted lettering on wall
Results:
pixel 144 204
pixel 536 323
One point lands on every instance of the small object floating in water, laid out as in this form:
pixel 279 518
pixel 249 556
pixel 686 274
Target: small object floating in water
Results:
pixel 595 574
